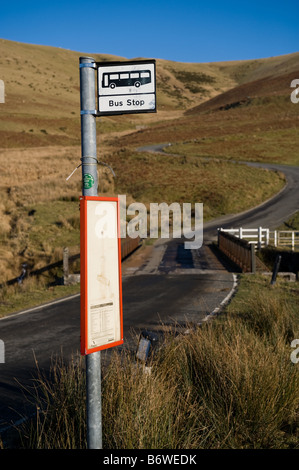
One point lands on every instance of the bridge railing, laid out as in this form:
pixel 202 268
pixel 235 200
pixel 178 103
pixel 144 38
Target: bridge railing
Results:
pixel 262 237
pixel 241 252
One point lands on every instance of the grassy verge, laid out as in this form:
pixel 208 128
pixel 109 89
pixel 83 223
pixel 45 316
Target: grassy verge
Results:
pixel 228 384
pixel 31 293
pixel 291 224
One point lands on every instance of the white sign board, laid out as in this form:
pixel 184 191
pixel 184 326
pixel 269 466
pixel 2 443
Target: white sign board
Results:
pixel 101 300
pixel 126 87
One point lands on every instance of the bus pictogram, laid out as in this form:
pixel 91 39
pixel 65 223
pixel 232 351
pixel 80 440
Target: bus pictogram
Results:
pixel 135 78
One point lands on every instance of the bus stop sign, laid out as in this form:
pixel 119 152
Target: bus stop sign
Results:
pixel 101 285
pixel 126 87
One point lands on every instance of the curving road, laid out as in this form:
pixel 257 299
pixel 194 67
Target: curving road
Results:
pixel 174 285
pixel 271 213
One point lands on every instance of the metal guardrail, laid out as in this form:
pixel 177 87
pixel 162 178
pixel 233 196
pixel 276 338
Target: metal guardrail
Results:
pixel 241 252
pixel 128 245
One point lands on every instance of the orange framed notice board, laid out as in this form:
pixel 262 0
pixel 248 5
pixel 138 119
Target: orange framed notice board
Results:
pixel 100 278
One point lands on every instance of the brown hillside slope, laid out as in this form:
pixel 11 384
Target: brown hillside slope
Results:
pixel 42 92
pixel 254 121
pixel 264 87
pixel 40 145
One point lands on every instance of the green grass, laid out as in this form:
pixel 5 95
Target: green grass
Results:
pixel 278 314
pixel 33 292
pixel 193 81
pixel 56 223
pixel 272 146
pixel 223 187
pixel 229 384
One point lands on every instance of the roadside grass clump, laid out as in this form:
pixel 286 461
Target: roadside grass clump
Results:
pixel 246 391
pixel 275 318
pixel 142 412
pixel 227 384
pixel 59 399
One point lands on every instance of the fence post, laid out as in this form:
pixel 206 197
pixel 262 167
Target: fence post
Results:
pixel 293 241
pixel 275 238
pixel 253 260
pixel 260 238
pixel 65 263
pixel 275 269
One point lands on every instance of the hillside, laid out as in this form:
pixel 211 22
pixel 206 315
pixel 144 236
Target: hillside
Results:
pixel 272 86
pixel 42 91
pixel 40 143
pixel 254 120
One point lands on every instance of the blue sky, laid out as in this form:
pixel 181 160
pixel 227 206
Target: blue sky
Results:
pixel 184 31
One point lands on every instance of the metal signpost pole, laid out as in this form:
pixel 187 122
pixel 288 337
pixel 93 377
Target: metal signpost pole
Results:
pixel 89 188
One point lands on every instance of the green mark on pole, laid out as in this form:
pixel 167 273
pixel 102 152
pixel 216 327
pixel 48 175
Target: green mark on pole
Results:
pixel 88 181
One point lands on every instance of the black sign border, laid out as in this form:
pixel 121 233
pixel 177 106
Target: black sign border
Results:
pixel 122 63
